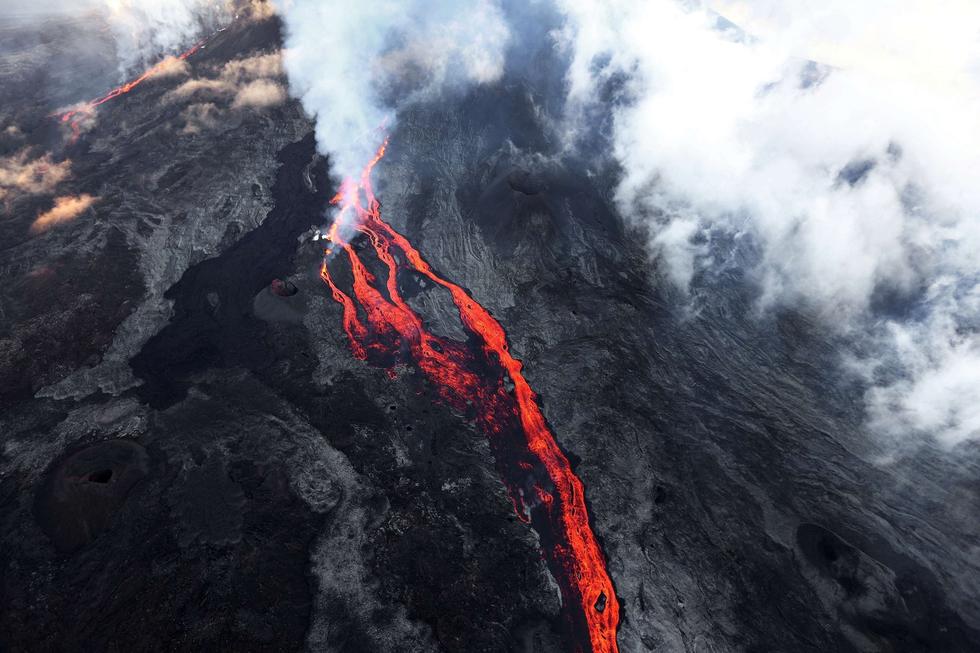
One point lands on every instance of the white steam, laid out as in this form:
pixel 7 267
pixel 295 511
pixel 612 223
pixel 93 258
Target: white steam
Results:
pixel 841 137
pixel 354 65
pixel 143 30
pixel 146 29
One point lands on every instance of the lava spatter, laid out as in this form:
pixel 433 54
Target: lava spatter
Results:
pixel 486 381
pixel 74 117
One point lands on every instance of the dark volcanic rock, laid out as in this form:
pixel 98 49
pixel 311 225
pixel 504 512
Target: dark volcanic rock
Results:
pixel 209 505
pixel 524 182
pixel 171 191
pixel 197 531
pixel 191 461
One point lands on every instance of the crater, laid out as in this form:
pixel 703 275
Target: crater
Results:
pixel 84 489
pixel 283 287
pixel 101 476
pixel 832 557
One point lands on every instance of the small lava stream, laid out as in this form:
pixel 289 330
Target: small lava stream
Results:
pixel 74 117
pixel 484 381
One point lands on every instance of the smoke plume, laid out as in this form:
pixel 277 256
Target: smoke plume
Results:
pixel 65 209
pixel 20 174
pixel 353 65
pixel 841 139
pixel 259 94
pixel 250 82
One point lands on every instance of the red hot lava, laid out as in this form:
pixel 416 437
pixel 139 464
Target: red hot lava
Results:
pixel 74 117
pixel 484 380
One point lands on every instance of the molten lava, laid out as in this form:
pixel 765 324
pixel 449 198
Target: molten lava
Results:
pixel 74 117
pixel 483 380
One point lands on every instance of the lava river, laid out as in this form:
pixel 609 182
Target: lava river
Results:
pixel 484 381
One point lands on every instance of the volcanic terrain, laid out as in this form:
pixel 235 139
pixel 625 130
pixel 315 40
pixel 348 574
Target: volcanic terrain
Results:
pixel 483 423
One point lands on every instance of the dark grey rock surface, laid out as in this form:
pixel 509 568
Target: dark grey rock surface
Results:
pixel 189 461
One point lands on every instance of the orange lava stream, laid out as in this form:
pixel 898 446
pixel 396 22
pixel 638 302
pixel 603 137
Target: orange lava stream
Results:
pixel 390 327
pixel 74 117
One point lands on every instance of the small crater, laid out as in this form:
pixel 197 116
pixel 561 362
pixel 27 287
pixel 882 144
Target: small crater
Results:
pixel 832 557
pixel 283 288
pixel 82 491
pixel 101 476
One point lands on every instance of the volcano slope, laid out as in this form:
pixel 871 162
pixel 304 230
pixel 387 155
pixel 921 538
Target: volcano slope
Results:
pixel 191 461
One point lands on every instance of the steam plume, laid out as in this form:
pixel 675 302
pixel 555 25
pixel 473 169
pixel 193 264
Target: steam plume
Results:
pixel 841 138
pixel 143 30
pixel 354 64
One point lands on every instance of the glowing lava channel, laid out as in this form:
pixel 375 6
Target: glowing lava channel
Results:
pixel 543 487
pixel 74 117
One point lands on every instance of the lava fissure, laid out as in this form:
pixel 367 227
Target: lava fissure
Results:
pixel 74 117
pixel 382 328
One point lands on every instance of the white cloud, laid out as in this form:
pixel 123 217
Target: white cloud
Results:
pixel 861 182
pixel 939 395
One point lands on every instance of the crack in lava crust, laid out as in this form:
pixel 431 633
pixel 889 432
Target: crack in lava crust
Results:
pixel 484 381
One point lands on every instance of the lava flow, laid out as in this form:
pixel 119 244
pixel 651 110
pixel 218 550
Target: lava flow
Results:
pixel 74 117
pixel 483 380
